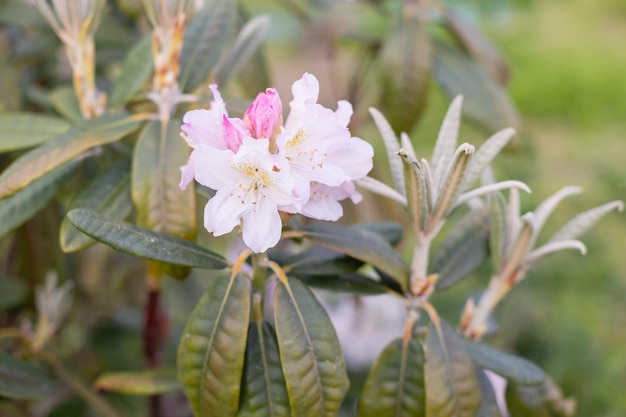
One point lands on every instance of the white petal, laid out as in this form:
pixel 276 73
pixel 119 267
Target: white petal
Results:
pixel 323 209
pixel 186 175
pixel 344 112
pixel 262 226
pixel 305 92
pixel 213 168
pixel 222 212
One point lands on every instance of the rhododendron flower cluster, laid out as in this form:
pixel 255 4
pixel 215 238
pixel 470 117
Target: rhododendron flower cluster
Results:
pixel 259 166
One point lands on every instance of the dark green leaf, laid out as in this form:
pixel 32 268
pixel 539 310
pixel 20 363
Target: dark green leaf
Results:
pixel 64 101
pixel 498 238
pixel 363 245
pixel 24 204
pixel 405 69
pixel 10 89
pixel 452 388
pixel 134 73
pixel 545 400
pixel 160 203
pixel 212 348
pixel 13 292
pixel 313 366
pixel 109 195
pixel 25 130
pixel 128 238
pixel 392 232
pixel 148 382
pixel 204 41
pixel 263 386
pixel 353 283
pixel 489 404
pixel 509 366
pixel 20 379
pixel 485 102
pixel 395 384
pixel 86 135
pixel 463 250
pixel 319 260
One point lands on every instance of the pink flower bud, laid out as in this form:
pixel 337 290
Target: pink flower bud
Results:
pixel 264 115
pixel 234 132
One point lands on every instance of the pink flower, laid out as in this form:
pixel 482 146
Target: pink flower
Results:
pixel 259 167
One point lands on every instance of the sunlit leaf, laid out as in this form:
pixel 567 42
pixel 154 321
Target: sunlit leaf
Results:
pixel 204 41
pixel 547 207
pixel 134 73
pixel 452 388
pixel 486 153
pixel 212 348
pixel 580 224
pixel 109 195
pixel 25 130
pixel 360 244
pixel 10 89
pixel 249 40
pixel 64 101
pixel 447 138
pixel 148 382
pixel 313 366
pixel 160 203
pixel 23 380
pixel 511 367
pixel 405 67
pixel 451 183
pixel 144 243
pixel 84 136
pixel 463 250
pixel 392 146
pixel 485 102
pixel 263 390
pixel 25 203
pixel 416 197
pixel 395 386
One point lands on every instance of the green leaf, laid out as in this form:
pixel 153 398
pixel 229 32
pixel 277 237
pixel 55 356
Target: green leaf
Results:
pixel 447 138
pixel 416 194
pixel 319 260
pixel 405 66
pixel 64 101
pixel 452 388
pixel 25 130
pixel 109 195
pixel 20 379
pixel 489 405
pixel 25 203
pixel 511 367
pixel 135 71
pixel 263 385
pixel 585 221
pixel 360 244
pixel 311 358
pixel 486 153
pixel 392 232
pixel 249 40
pixel 392 146
pixel 463 250
pixel 212 348
pixel 148 382
pixel 545 400
pixel 204 41
pixel 451 182
pixel 144 243
pixel 485 102
pixel 395 384
pixel 498 238
pixel 13 292
pixel 87 134
pixel 10 85
pixel 160 203
pixel 352 283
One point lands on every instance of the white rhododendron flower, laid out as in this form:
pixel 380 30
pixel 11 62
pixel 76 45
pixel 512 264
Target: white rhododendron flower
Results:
pixel 260 167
